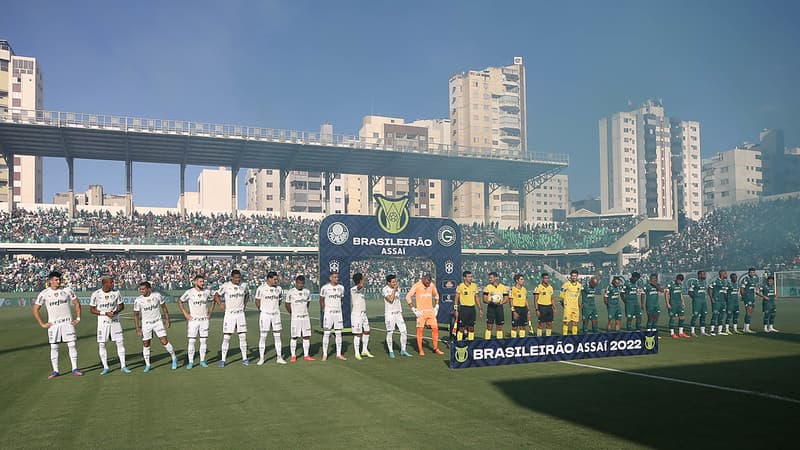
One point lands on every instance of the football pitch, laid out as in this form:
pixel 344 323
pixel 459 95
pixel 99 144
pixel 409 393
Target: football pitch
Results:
pixel 714 391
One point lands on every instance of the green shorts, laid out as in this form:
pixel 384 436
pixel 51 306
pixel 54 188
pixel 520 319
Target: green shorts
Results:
pixel 699 307
pixel 718 307
pixel 732 306
pixel 749 303
pixel 677 310
pixel 589 311
pixel 633 309
pixel 614 311
pixel 652 308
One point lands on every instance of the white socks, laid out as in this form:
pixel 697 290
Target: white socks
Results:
pixel 146 355
pixel 365 341
pixel 203 348
pixel 103 354
pixel 190 350
pixel 243 344
pixel 54 356
pixel 73 354
pixel 389 341
pixel 226 343
pixel 278 345
pixel 121 353
pixel 170 350
pixel 357 344
pixel 338 342
pixel 262 345
pixel 306 347
pixel 326 338
pixel 293 347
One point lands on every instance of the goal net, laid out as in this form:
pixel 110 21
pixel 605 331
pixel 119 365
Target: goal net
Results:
pixel 787 284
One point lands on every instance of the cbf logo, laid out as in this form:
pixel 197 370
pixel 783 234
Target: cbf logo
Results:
pixel 333 266
pixel 462 354
pixel 449 266
pixel 392 213
pixel 649 342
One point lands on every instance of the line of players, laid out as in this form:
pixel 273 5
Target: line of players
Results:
pixel 151 317
pixel 578 301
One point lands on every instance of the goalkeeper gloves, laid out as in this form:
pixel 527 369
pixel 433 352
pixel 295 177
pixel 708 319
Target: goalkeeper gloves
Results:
pixel 436 310
pixel 416 312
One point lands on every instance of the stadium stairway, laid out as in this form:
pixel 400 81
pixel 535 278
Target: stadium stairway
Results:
pixel 645 227
pixel 555 274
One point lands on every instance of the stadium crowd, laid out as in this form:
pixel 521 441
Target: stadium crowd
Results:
pixel 54 226
pixel 763 234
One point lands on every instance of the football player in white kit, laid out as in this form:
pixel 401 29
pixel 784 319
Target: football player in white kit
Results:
pixel 236 298
pixel 330 300
pixel 268 300
pixel 393 315
pixel 198 317
pixel 358 317
pixel 106 304
pixel 297 299
pixel 154 315
pixel 60 324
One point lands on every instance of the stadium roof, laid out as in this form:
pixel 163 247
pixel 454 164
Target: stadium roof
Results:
pixel 121 138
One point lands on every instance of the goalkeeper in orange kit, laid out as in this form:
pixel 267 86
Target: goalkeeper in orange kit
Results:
pixel 426 310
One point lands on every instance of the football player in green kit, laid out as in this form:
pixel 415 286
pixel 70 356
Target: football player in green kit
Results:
pixel 651 292
pixel 718 293
pixel 697 291
pixel 676 307
pixel 588 306
pixel 747 291
pixel 612 299
pixel 732 308
pixel 633 301
pixel 768 295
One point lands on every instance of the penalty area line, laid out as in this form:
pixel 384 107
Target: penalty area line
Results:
pixel 692 383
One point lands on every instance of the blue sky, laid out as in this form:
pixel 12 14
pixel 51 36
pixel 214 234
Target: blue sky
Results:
pixel 733 66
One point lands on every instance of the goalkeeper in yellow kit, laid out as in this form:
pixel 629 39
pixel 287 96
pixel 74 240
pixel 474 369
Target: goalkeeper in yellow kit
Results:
pixel 570 299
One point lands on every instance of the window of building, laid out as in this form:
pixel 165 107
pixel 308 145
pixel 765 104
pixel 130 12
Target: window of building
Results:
pixel 337 188
pixel 269 197
pixel 16 102
pixel 269 184
pixel 3 66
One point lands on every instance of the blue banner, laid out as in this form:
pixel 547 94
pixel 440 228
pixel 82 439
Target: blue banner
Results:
pixel 500 352
pixel 391 232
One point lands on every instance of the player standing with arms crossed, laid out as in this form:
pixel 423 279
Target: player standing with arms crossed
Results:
pixel 106 304
pixel 60 325
pixel 297 300
pixel 359 321
pixel 732 308
pixel 545 308
pixel 236 297
pixel 588 305
pixel 570 298
pixel 747 291
pixel 426 310
pixel 718 293
pixel 198 317
pixel 330 300
pixel 769 297
pixel 495 295
pixel 697 291
pixel 520 308
pixel 650 305
pixel 612 299
pixel 268 301
pixel 154 315
pixel 676 307
pixel 393 315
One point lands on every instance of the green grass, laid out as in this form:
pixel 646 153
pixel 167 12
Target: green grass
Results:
pixel 408 402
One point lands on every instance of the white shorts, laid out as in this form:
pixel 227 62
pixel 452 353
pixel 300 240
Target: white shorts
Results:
pixel 301 326
pixel 61 332
pixel 197 327
pixel 149 328
pixel 109 329
pixel 333 319
pixel 234 322
pixel 359 323
pixel 267 321
pixel 393 320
